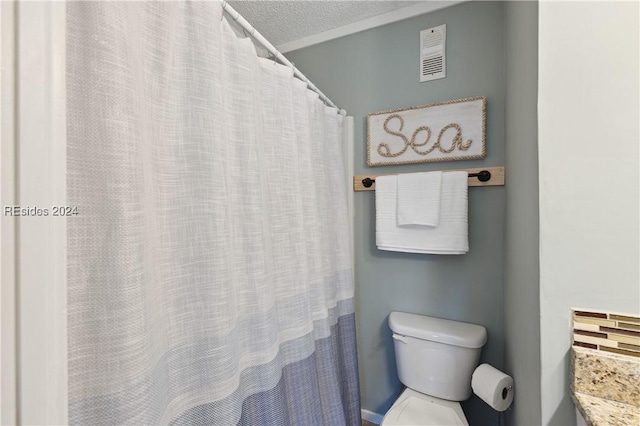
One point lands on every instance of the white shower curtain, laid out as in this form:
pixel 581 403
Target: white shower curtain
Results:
pixel 209 271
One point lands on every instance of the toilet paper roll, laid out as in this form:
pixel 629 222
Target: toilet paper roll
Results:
pixel 493 386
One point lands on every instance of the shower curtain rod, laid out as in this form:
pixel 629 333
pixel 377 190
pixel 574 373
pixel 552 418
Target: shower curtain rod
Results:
pixel 255 34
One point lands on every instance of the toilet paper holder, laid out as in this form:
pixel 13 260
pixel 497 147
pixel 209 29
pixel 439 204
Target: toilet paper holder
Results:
pixel 505 391
pixel 493 387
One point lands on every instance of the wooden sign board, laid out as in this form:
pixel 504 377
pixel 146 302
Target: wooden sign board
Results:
pixel 443 131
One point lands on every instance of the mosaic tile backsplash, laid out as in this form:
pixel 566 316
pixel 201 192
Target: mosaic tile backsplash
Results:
pixel 607 332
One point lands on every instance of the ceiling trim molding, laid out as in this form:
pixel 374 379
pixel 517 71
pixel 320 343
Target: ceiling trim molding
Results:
pixel 366 24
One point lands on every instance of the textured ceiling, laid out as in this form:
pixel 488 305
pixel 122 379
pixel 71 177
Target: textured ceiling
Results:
pixel 285 21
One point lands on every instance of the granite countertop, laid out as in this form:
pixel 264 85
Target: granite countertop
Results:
pixel 600 411
pixel 606 387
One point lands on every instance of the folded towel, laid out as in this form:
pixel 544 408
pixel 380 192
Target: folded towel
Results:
pixel 449 237
pixel 419 198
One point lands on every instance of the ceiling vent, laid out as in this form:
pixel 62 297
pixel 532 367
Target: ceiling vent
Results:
pixel 432 53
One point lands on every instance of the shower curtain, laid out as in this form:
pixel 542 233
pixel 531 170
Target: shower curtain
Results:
pixel 209 265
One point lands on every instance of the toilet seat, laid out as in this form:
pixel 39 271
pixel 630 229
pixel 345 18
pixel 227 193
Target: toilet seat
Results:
pixel 415 408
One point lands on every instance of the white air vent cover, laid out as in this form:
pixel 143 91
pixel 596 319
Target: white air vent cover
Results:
pixel 432 53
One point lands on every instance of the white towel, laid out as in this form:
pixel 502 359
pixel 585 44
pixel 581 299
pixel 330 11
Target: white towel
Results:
pixel 419 198
pixel 449 237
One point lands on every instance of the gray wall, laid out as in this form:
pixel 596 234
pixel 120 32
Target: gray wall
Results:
pixel 376 70
pixel 521 259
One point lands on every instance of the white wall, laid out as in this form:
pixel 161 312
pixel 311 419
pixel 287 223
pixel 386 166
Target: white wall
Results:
pixel 34 346
pixel 7 226
pixel 588 164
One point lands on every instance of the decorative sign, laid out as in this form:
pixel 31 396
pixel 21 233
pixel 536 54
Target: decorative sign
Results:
pixel 443 131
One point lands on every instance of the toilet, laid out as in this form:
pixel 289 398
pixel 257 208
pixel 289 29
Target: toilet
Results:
pixel 435 359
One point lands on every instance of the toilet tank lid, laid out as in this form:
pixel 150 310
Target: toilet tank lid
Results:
pixel 438 330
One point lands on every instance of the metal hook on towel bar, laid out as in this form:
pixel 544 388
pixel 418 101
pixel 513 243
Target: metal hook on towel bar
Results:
pixel 368 182
pixel 483 176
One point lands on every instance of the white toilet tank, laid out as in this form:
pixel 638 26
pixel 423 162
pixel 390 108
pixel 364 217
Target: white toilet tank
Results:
pixel 436 356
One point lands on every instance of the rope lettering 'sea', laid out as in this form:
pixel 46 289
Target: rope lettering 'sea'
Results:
pixel 385 151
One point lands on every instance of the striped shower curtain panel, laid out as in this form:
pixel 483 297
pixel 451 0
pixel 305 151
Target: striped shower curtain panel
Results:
pixel 209 268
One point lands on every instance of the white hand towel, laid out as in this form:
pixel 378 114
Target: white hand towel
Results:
pixel 449 237
pixel 419 198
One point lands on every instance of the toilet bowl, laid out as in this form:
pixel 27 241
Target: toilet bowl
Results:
pixel 435 359
pixel 415 408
